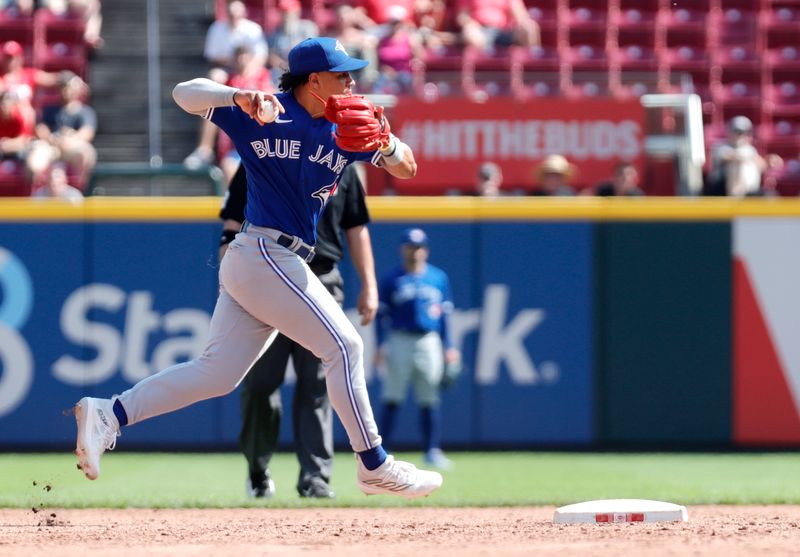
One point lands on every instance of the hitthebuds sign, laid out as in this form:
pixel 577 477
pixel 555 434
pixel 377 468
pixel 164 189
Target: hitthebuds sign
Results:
pixel 451 139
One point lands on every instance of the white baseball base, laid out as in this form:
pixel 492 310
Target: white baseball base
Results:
pixel 620 510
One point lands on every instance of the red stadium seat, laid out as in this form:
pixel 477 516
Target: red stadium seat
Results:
pixel 585 57
pixel 13 182
pixel 487 73
pixel 544 12
pixel 580 84
pixel 737 57
pixel 59 43
pixel 441 72
pixel 787 181
pixel 738 25
pixel 544 57
pixel 632 83
pixel 783 57
pixel 14 27
pixel 686 15
pixel 739 83
pixel 784 98
pixel 635 50
pixel 636 14
pixel 586 14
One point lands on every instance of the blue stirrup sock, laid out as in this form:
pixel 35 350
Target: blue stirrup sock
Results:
pixel 430 421
pixel 373 458
pixel 119 412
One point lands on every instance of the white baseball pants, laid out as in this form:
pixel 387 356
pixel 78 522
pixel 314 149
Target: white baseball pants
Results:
pixel 264 287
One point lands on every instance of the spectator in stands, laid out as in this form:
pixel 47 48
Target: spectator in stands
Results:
pixel 351 29
pixel 379 11
pixel 486 25
pixel 736 166
pixel 224 36
pixel 17 8
pixel 553 176
pixel 400 52
pixel 56 185
pixel 488 180
pixel 19 80
pixel 66 133
pixel 291 30
pixel 429 17
pixel 87 10
pixel 222 40
pixel 624 183
pixel 16 126
pixel 245 76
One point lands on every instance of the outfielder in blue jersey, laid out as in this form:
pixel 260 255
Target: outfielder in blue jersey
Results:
pixel 413 335
pixel 293 166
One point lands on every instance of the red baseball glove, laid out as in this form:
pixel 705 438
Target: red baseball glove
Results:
pixel 360 125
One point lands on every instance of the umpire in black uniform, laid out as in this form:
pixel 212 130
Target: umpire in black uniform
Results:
pixel 260 395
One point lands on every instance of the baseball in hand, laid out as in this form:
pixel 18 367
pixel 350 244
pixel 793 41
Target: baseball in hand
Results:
pixel 267 112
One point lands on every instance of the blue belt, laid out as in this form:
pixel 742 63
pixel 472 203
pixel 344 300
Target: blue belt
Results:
pixel 296 245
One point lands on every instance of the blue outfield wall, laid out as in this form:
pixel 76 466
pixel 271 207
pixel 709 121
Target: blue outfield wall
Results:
pixel 115 302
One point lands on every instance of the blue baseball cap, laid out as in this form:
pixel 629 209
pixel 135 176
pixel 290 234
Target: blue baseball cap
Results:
pixel 322 54
pixel 415 236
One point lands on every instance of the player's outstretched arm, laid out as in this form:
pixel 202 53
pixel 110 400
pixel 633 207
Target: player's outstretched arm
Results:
pixel 198 95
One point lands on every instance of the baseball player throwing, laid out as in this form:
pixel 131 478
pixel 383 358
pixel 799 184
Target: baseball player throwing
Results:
pixel 293 166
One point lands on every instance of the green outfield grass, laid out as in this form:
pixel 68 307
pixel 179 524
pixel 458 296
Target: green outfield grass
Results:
pixel 479 479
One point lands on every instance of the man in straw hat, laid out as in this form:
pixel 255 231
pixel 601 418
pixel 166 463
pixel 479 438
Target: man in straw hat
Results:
pixel 552 176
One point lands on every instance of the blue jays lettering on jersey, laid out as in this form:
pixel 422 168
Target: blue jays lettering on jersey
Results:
pixel 415 302
pixel 293 165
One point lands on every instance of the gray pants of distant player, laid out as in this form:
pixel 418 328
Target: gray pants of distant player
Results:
pixel 312 417
pixel 263 287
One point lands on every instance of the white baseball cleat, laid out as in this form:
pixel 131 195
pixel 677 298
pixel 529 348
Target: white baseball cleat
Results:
pixel 395 477
pixel 97 432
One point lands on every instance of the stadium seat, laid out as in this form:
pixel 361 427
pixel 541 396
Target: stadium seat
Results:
pixel 544 57
pixel 487 73
pixel 782 57
pixel 783 98
pixel 587 57
pixel 14 27
pixel 626 84
pixel 636 14
pixel 586 15
pixel 586 83
pixel 686 16
pixel 441 72
pixel 738 84
pixel 58 42
pixel 738 25
pixel 635 49
pixel 544 12
pixel 737 57
pixel 13 182
pixel 787 181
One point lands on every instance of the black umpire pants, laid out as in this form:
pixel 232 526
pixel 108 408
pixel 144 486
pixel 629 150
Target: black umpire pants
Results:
pixel 312 418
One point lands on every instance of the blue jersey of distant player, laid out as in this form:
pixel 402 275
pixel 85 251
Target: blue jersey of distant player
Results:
pixel 415 302
pixel 293 165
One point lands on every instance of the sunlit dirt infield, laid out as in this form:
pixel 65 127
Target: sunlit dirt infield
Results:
pixel 417 532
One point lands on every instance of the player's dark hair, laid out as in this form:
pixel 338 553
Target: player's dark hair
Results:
pixel 289 81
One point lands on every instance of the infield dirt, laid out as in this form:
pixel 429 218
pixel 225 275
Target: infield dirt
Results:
pixel 419 532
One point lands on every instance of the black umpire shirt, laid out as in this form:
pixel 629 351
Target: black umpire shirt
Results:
pixel 347 209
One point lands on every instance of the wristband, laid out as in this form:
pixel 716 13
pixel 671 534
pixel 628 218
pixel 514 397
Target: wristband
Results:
pixel 227 237
pixel 397 155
